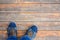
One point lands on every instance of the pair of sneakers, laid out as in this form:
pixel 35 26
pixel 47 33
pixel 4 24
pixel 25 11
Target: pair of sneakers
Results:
pixel 12 32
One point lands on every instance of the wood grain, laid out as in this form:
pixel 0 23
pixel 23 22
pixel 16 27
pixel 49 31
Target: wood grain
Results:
pixel 31 7
pixel 23 25
pixel 39 34
pixel 45 14
pixel 18 16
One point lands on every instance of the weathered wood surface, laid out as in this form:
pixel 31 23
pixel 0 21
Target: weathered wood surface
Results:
pixel 41 35
pixel 26 16
pixel 19 1
pixel 31 7
pixel 25 25
pixel 45 14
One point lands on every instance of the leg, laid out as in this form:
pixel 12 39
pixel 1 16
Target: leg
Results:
pixel 25 37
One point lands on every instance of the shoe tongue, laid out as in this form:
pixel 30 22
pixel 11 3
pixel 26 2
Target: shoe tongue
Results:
pixel 13 32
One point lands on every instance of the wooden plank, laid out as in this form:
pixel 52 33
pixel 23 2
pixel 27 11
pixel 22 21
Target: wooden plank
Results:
pixel 25 25
pixel 39 34
pixel 8 1
pixel 52 38
pixel 42 38
pixel 42 1
pixel 7 5
pixel 18 16
pixel 30 7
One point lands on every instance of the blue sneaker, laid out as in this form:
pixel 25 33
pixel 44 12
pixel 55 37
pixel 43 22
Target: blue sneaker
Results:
pixel 31 32
pixel 12 31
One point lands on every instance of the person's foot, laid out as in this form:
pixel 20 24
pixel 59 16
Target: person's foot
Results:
pixel 12 31
pixel 30 33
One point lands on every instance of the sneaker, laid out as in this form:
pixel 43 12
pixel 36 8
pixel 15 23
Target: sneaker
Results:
pixel 30 33
pixel 12 31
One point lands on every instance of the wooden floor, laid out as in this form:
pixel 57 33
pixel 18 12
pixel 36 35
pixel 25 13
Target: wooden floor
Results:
pixel 45 14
